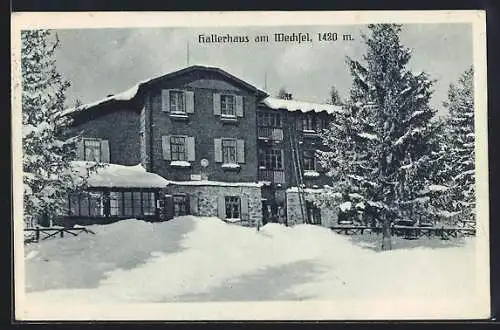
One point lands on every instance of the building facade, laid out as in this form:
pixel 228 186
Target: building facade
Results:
pixel 224 147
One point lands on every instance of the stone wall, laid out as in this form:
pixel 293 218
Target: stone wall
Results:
pixel 205 200
pixel 328 216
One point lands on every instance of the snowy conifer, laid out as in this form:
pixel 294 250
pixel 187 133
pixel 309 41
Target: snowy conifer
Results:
pixel 47 151
pixel 389 136
pixel 461 145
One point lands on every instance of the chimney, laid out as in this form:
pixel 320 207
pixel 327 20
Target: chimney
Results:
pixel 109 95
pixel 288 96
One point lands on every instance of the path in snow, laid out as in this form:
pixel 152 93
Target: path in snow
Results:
pixel 271 283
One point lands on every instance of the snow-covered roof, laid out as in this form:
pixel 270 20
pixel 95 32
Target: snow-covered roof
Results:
pixel 217 183
pixel 130 93
pixel 295 105
pixel 127 95
pixel 119 176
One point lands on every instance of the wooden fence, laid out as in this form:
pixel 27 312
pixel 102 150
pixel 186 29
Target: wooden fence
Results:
pixel 32 235
pixel 408 232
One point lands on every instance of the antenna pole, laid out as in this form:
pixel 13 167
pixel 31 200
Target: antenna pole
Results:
pixel 187 53
pixel 265 80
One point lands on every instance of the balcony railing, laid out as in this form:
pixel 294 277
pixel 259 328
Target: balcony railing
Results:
pixel 270 133
pixel 273 176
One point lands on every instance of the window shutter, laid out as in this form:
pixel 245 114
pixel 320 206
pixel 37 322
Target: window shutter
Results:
pixel 240 149
pixel 218 150
pixel 245 215
pixel 221 207
pixel 166 146
pixel 79 150
pixel 193 204
pixel 189 102
pixel 104 151
pixel 190 148
pixel 217 104
pixel 239 105
pixel 165 100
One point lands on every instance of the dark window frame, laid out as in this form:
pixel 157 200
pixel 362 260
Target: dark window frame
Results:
pixel 271 158
pixel 229 151
pixel 309 158
pixel 180 204
pixel 178 149
pixel 232 207
pixel 271 120
pixel 136 207
pixel 228 105
pixel 309 122
pixel 177 102
pixel 96 145
pixel 313 213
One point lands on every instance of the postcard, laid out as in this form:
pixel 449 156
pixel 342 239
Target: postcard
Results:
pixel 250 165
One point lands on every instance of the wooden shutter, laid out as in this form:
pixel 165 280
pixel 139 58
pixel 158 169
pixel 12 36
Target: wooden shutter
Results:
pixel 218 150
pixel 189 101
pixel 165 145
pixel 240 150
pixel 165 100
pixel 221 207
pixel 79 150
pixel 216 104
pixel 244 208
pixel 190 148
pixel 193 204
pixel 104 151
pixel 239 105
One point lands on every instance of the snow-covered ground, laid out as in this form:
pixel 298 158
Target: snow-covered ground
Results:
pixel 205 259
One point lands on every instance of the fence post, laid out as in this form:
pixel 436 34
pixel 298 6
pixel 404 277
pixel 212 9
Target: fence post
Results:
pixel 62 233
pixel 37 234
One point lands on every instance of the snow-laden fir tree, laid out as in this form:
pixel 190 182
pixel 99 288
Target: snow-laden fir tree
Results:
pixel 47 150
pixel 460 124
pixel 382 145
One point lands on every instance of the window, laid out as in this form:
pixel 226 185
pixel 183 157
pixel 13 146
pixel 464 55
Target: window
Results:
pixel 229 151
pixel 92 150
pixel 308 123
pixel 227 103
pixel 177 102
pixel 271 158
pixel 265 119
pixel 86 204
pixel 232 207
pixel 178 148
pixel 115 203
pixel 180 205
pixel 313 213
pixel 148 203
pixel 309 161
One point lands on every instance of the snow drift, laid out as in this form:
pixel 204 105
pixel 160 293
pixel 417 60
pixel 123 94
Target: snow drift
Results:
pixel 196 259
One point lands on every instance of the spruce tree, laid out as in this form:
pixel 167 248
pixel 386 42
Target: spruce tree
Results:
pixel 389 136
pixel 460 124
pixel 47 147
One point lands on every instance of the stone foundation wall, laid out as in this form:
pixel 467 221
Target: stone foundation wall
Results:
pixel 328 216
pixel 205 199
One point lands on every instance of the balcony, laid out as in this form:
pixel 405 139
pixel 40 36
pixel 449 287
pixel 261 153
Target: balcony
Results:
pixel 273 176
pixel 270 133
